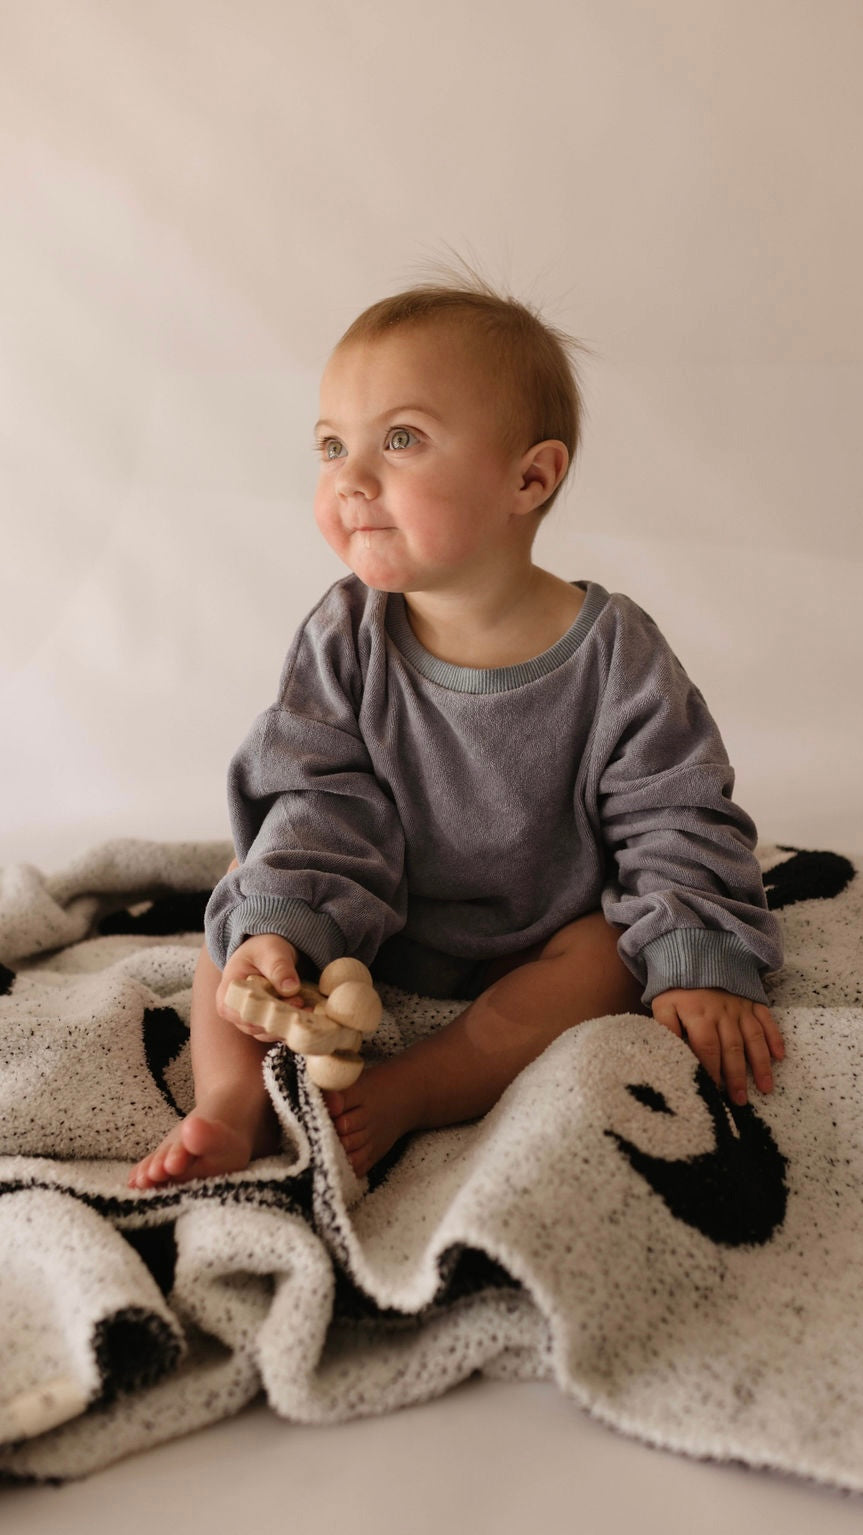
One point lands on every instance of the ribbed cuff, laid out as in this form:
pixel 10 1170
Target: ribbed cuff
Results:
pixel 701 956
pixel 312 932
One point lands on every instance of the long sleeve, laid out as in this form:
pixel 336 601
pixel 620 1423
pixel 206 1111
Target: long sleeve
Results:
pixel 317 835
pixel 686 884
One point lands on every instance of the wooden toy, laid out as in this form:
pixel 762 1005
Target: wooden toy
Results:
pixel 328 1029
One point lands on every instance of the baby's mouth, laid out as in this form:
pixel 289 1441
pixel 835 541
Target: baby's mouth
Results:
pixel 367 534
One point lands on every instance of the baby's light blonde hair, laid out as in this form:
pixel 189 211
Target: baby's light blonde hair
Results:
pixel 530 363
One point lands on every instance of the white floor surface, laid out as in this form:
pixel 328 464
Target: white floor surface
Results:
pixel 490 1457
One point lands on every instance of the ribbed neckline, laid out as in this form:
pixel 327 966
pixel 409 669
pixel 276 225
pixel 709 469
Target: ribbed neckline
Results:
pixel 492 679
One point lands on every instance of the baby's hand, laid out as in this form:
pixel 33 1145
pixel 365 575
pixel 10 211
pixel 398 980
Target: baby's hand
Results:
pixel 270 956
pixel 723 1030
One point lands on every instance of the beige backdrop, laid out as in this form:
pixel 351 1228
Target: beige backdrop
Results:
pixel 197 196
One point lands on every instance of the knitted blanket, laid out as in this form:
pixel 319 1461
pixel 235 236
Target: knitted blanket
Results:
pixel 685 1270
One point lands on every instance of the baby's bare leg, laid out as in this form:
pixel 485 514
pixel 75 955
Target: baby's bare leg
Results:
pixel 460 1072
pixel 577 975
pixel 233 1119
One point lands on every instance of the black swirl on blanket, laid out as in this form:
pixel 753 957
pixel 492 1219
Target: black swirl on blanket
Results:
pixel 7 980
pixel 806 876
pixel 181 913
pixel 133 1349
pixel 735 1194
pixel 165 1034
pixel 156 1246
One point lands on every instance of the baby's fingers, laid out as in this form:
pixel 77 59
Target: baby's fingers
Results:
pixel 761 1039
pixel 771 1030
pixel 701 1040
pixel 666 1013
pixel 734 1056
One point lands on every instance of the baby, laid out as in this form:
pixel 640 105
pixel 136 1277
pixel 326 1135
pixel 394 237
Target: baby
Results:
pixel 484 781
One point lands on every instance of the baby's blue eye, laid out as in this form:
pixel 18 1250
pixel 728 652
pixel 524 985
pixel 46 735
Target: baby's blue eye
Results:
pixel 328 445
pixel 399 437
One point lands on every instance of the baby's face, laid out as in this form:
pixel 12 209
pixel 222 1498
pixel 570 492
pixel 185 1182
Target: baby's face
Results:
pixel 416 491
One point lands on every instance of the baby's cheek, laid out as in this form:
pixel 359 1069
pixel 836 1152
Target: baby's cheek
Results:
pixel 328 520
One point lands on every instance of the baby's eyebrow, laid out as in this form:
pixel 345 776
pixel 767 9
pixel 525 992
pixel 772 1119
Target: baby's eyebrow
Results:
pixel 394 410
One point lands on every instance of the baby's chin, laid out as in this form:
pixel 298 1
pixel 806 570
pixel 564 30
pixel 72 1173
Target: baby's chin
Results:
pixel 378 580
pixel 392 575
pixel 374 582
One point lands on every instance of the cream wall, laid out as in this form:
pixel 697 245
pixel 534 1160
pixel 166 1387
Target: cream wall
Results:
pixel 198 197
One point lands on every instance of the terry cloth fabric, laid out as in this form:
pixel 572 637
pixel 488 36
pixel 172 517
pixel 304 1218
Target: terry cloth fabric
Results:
pixel 390 803
pixel 685 1270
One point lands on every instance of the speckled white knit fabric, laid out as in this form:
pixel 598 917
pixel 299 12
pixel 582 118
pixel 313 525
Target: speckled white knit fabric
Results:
pixel 688 1273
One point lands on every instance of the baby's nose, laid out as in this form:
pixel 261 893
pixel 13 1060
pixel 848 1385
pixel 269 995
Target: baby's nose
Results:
pixel 356 477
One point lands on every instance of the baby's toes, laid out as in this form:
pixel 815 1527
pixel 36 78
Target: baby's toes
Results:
pixel 161 1165
pixel 360 1159
pixel 350 1120
pixel 147 1172
pixel 176 1160
pixel 335 1103
pixel 155 1172
pixel 353 1140
pixel 138 1174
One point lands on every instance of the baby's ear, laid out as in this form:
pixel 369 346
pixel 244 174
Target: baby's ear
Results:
pixel 542 469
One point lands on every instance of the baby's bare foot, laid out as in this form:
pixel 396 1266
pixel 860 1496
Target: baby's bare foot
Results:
pixel 201 1146
pixel 372 1114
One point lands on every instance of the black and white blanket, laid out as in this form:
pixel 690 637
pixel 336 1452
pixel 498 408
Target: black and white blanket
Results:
pixel 686 1271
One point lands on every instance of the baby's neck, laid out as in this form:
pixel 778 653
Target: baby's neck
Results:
pixel 492 628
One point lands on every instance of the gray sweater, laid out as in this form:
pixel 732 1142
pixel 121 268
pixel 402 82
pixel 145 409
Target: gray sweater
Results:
pixel 473 812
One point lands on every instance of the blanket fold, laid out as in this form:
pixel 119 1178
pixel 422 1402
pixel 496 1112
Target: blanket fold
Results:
pixel 684 1269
